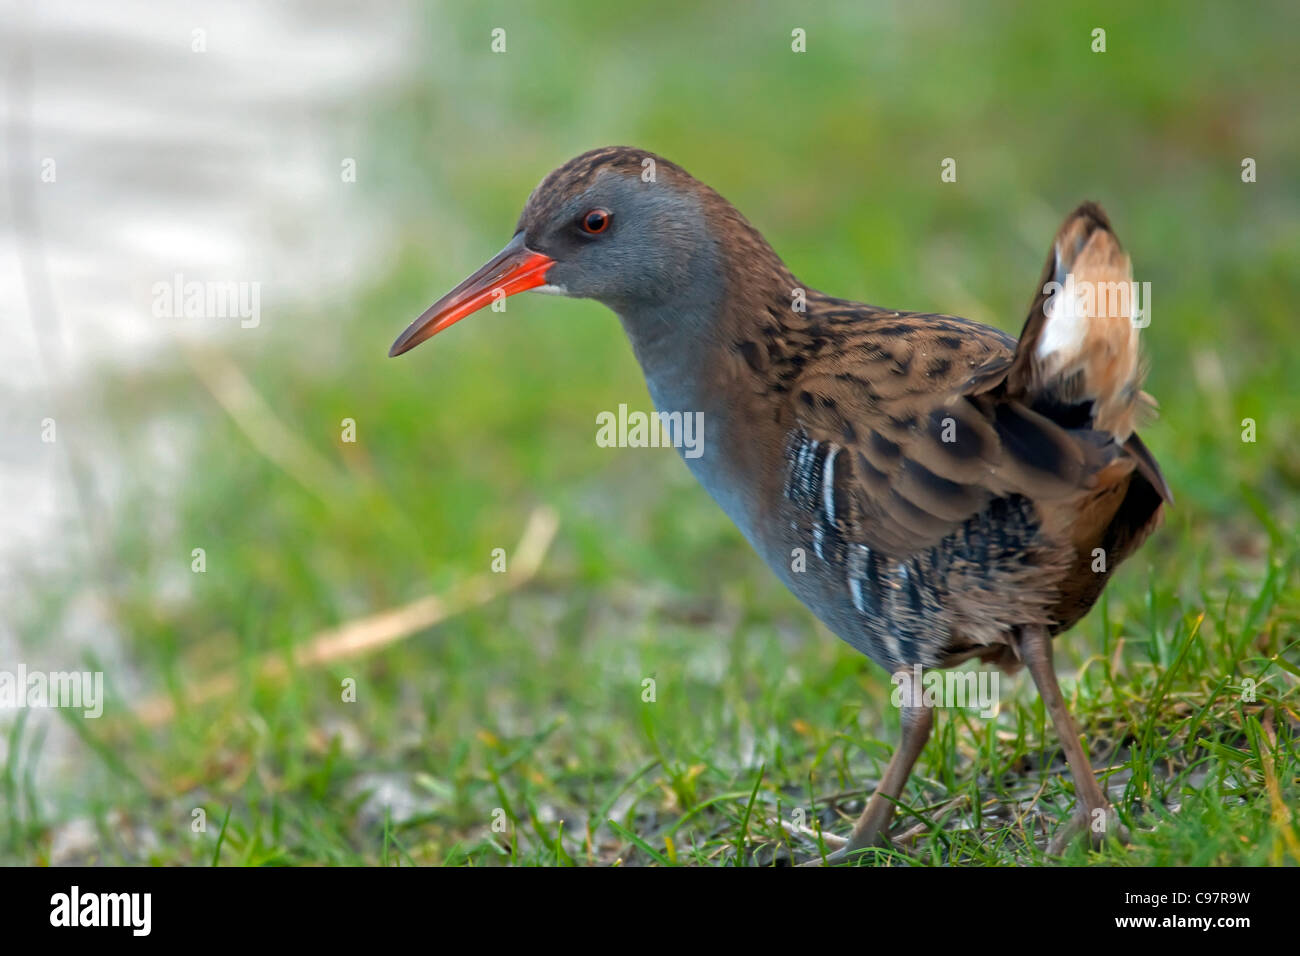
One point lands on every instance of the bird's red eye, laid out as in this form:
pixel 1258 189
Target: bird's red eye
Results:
pixel 596 221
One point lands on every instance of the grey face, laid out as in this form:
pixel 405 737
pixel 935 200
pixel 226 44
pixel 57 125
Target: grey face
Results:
pixel 647 253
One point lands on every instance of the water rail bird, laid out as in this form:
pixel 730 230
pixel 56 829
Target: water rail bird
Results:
pixel 956 493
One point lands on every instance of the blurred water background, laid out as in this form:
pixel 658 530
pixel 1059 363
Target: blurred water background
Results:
pixel 144 141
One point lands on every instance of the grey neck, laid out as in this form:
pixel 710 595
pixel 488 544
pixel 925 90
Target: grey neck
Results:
pixel 681 345
pixel 675 338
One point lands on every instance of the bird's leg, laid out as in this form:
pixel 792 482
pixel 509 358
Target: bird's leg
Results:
pixel 1036 649
pixel 872 828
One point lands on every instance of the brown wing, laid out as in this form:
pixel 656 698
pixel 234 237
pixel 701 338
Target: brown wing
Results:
pixel 922 435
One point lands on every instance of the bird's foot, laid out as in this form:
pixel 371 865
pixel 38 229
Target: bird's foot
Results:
pixel 808 833
pixel 837 845
pixel 855 845
pixel 1101 824
pixel 830 859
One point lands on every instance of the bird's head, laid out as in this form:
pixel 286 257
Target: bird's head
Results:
pixel 619 225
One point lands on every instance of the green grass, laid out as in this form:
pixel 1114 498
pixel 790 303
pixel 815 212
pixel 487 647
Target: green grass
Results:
pixel 529 709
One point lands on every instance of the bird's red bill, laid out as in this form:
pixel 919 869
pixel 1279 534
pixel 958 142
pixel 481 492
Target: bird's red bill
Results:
pixel 516 268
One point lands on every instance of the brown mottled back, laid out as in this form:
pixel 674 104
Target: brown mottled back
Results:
pixel 918 427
